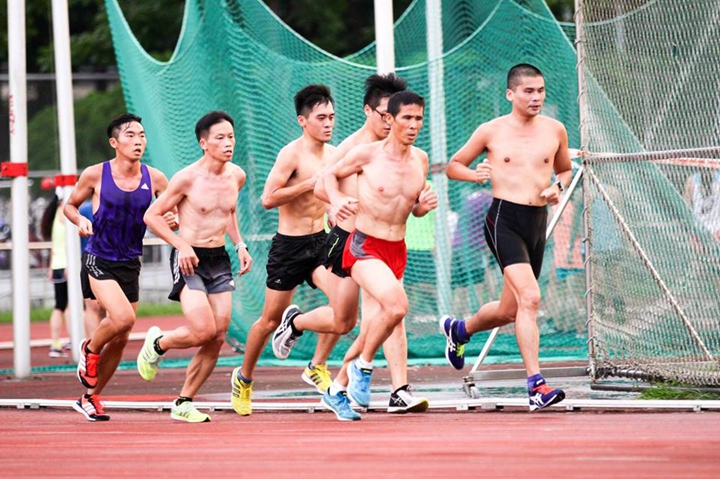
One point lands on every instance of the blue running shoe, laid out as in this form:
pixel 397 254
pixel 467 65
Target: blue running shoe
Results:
pixel 340 405
pixel 359 387
pixel 454 349
pixel 542 395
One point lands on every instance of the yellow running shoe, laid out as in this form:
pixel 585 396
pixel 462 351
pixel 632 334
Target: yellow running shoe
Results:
pixel 187 412
pixel 318 377
pixel 148 359
pixel 241 394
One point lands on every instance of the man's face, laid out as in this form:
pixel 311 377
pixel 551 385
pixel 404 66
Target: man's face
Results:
pixel 219 143
pixel 320 122
pixel 376 119
pixel 406 125
pixel 130 142
pixel 528 96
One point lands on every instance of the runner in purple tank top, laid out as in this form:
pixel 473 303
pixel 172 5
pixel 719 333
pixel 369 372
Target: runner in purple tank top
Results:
pixel 121 190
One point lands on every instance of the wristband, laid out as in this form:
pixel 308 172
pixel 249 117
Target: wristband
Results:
pixel 560 186
pixel 240 245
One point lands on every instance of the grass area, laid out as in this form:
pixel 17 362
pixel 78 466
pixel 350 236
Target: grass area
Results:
pixel 144 310
pixel 678 391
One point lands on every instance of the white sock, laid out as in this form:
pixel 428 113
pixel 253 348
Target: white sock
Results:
pixel 362 364
pixel 336 388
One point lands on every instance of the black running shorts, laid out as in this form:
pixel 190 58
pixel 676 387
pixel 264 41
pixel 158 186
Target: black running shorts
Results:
pixel 332 253
pixel 292 260
pixel 212 275
pixel 124 273
pixel 516 234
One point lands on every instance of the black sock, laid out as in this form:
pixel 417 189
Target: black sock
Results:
pixel 88 396
pixel 182 399
pixel 156 346
pixel 295 332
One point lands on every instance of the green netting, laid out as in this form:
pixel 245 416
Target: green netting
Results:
pixel 237 56
pixel 654 217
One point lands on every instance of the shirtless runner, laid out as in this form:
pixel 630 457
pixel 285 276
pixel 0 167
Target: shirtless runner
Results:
pixel 523 149
pixel 205 194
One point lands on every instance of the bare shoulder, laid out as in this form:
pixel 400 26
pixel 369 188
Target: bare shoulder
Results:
pixel 289 152
pixel 156 174
pixel 420 154
pixel 553 124
pixel 237 172
pixel 92 173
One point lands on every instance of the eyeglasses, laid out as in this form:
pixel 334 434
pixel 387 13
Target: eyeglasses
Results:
pixel 381 113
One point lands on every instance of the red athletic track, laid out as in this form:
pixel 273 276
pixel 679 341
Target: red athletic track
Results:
pixel 552 444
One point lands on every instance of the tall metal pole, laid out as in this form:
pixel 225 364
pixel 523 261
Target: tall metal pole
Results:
pixel 18 154
pixel 584 118
pixel 438 152
pixel 384 36
pixel 68 164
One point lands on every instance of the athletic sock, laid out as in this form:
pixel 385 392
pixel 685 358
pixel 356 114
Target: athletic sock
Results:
pixel 182 399
pixel 336 388
pixel 56 344
pixel 362 364
pixel 461 333
pixel 534 381
pixel 156 346
pixel 310 365
pixel 243 378
pixel 296 332
pixel 87 396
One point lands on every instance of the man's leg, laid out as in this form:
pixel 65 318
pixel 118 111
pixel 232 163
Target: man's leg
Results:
pixel 92 317
pixel 120 317
pixel 200 327
pixel 275 303
pixel 204 361
pixel 521 279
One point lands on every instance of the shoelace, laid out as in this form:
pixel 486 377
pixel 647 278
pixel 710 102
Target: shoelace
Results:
pixel 97 404
pixel 91 364
pixel 542 389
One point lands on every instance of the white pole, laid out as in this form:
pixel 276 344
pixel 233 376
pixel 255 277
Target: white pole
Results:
pixel 438 153
pixel 384 36
pixel 18 154
pixel 68 164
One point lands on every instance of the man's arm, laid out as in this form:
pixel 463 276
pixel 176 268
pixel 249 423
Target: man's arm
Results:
pixel 320 191
pixel 276 192
pixel 167 202
pixel 562 167
pixel 160 183
pixel 458 168
pixel 233 231
pixel 83 190
pixel 345 206
pixel 427 200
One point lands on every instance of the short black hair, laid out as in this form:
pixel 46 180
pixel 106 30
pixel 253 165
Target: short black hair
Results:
pixel 203 125
pixel 521 70
pixel 379 86
pixel 407 97
pixel 310 96
pixel 113 128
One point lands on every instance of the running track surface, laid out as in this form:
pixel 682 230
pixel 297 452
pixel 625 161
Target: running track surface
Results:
pixel 484 444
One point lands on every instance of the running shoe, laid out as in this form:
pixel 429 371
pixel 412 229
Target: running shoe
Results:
pixel 402 401
pixel 542 395
pixel 57 353
pixel 284 339
pixel 87 368
pixel 187 412
pixel 148 359
pixel 454 349
pixel 359 387
pixel 318 377
pixel 340 405
pixel 92 408
pixel 241 394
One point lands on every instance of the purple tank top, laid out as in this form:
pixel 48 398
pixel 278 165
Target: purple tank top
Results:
pixel 118 227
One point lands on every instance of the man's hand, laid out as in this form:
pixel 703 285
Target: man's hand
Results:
pixel 345 208
pixel 187 260
pixel 427 201
pixel 245 260
pixel 171 220
pixel 85 227
pixel 482 171
pixel 551 195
